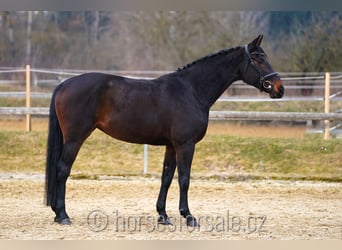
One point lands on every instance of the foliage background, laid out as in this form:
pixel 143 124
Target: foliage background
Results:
pixel 306 41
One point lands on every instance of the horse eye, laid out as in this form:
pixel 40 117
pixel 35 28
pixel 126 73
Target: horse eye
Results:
pixel 262 60
pixel 258 60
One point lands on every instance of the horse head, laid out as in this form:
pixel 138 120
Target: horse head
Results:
pixel 258 72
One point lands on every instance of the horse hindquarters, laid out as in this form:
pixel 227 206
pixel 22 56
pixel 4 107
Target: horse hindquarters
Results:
pixel 64 141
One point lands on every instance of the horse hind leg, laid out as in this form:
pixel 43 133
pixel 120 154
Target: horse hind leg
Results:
pixel 69 153
pixel 169 167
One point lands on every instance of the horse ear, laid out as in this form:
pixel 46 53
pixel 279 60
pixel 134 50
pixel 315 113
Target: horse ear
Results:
pixel 260 37
pixel 256 42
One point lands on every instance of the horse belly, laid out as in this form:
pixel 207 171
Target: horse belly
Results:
pixel 136 127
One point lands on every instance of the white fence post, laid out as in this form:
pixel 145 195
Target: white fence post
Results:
pixel 327 106
pixel 145 158
pixel 28 97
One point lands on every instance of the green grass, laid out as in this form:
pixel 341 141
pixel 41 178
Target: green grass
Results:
pixel 217 156
pixel 306 158
pixel 293 106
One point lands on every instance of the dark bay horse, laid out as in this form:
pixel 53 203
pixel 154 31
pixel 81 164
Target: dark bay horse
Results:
pixel 171 110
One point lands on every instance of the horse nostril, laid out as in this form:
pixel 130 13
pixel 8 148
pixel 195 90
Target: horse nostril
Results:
pixel 281 91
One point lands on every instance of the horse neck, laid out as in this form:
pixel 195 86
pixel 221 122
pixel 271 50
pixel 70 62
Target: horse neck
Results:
pixel 213 75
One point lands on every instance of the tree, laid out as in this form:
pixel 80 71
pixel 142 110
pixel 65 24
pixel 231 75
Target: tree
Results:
pixel 317 47
pixel 167 40
pixel 159 40
pixel 287 22
pixel 8 48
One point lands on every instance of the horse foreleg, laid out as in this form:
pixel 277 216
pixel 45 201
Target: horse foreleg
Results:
pixel 169 167
pixel 184 159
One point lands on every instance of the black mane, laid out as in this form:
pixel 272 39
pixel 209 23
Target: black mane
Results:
pixel 210 56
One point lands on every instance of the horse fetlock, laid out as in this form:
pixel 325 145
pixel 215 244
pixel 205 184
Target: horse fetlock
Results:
pixel 164 220
pixel 184 212
pixel 61 215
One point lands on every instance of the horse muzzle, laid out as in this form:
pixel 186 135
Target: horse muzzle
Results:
pixel 277 90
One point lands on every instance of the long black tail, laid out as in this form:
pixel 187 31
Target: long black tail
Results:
pixel 54 151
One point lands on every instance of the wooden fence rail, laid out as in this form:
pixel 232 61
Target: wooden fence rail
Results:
pixel 213 115
pixel 280 116
pixel 327 116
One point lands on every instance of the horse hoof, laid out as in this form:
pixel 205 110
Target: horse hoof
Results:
pixel 65 221
pixel 164 221
pixel 192 222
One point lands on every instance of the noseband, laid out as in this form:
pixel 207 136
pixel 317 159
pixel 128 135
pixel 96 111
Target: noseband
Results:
pixel 264 79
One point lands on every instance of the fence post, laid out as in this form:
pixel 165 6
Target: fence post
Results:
pixel 28 97
pixel 327 106
pixel 145 158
